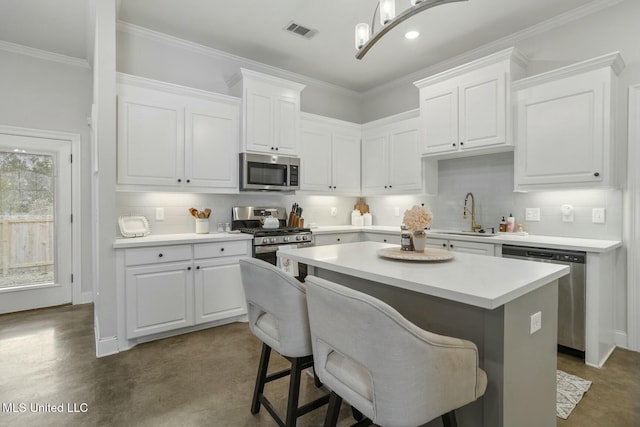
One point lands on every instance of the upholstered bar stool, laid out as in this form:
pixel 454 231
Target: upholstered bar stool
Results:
pixel 277 310
pixel 393 372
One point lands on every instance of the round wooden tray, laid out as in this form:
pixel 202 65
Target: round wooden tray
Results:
pixel 429 254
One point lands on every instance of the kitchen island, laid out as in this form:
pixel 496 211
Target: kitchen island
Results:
pixel 487 300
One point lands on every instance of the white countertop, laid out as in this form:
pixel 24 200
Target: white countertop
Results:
pixel 176 239
pixel 537 241
pixel 478 280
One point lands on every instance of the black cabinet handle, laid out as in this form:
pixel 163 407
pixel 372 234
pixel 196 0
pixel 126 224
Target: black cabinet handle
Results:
pixel 384 240
pixel 444 245
pixel 189 268
pixel 338 239
pixel 221 249
pixel 276 148
pixel 160 255
pixel 391 186
pixel 385 186
pixel 198 268
pixel 188 181
pixel 451 246
pixel 179 180
pixel 461 143
pixel 596 174
pixel 454 144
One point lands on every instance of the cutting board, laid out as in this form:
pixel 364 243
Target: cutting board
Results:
pixel 362 206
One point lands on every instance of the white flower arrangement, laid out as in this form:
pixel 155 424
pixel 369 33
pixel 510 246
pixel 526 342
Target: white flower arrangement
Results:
pixel 417 218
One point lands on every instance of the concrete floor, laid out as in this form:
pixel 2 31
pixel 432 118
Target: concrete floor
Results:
pixel 47 357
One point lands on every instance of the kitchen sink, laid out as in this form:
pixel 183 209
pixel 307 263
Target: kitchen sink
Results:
pixel 466 233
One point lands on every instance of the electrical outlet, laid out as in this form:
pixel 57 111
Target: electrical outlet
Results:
pixel 396 211
pixel 159 214
pixel 334 211
pixel 535 322
pixel 532 214
pixel 597 216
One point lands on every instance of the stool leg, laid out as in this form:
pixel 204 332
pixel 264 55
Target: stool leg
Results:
pixel 333 411
pixel 260 379
pixel 294 392
pixel 449 419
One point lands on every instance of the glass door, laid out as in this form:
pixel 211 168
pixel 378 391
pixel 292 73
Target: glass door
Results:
pixel 35 222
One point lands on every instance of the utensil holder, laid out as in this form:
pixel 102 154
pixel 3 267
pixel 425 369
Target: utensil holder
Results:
pixel 202 225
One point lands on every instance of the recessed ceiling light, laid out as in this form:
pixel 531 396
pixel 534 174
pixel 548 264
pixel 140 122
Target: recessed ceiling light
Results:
pixel 411 35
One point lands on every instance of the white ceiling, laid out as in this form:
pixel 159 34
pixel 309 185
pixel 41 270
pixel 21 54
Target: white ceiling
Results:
pixel 254 29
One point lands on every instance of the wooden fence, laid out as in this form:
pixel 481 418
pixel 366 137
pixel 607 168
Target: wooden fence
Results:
pixel 27 244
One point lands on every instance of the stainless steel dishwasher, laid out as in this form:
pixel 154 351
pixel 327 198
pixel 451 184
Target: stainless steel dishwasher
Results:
pixel 571 293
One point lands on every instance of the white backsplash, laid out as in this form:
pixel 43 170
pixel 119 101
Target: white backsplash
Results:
pixel 317 209
pixel 489 178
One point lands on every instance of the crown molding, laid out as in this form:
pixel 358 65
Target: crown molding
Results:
pixel 197 48
pixel 392 120
pixel 44 54
pixel 502 43
pixel 613 60
pixel 266 78
pixel 144 82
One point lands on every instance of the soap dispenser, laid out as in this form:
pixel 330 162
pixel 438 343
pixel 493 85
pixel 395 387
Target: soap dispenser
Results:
pixel 511 224
pixel 503 225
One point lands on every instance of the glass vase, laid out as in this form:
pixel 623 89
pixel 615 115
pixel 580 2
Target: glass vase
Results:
pixel 419 240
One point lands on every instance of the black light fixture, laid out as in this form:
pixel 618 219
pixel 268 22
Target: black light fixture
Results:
pixel 386 9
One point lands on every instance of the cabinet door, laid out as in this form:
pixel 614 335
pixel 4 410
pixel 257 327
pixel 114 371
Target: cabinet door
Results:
pixel 218 290
pixel 158 298
pixel 316 160
pixel 150 141
pixel 375 164
pixel 561 132
pixel 259 120
pixel 482 112
pixel 346 163
pixel 439 116
pixel 405 162
pixel 211 146
pixel 436 243
pixel 287 125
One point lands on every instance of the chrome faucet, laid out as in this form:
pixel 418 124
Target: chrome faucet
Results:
pixel 474 227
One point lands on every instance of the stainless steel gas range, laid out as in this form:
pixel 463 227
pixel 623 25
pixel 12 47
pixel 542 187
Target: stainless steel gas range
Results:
pixel 268 236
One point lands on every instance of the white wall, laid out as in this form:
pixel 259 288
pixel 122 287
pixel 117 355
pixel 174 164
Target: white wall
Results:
pixel 42 94
pixel 146 53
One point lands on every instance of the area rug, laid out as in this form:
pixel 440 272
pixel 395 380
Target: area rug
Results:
pixel 570 389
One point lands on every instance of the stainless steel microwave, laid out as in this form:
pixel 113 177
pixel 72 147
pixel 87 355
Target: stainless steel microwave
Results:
pixel 269 172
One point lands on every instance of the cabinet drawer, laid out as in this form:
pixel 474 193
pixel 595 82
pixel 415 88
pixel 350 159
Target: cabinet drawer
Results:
pixel 157 254
pixel 222 249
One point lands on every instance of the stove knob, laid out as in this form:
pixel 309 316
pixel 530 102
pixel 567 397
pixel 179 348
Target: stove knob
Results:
pixel 285 239
pixel 304 237
pixel 298 237
pixel 265 240
pixel 274 240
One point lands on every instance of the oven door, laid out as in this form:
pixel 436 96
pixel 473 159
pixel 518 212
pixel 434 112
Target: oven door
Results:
pixel 268 254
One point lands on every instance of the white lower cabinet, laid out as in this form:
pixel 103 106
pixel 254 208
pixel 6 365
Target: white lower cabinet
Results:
pixel 171 287
pixel 159 298
pixel 461 246
pixel 336 238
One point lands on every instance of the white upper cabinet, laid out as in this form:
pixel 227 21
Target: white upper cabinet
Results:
pixel 565 127
pixel 466 110
pixel 391 160
pixel 330 152
pixel 270 113
pixel 176 138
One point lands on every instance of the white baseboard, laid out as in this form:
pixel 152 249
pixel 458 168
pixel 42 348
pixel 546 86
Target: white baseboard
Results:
pixel 106 347
pixel 85 298
pixel 620 339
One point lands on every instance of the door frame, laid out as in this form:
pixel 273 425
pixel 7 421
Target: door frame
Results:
pixel 76 242
pixel 632 213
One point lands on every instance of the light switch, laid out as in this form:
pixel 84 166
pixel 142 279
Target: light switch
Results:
pixel 532 214
pixel 334 211
pixel 597 216
pixel 159 214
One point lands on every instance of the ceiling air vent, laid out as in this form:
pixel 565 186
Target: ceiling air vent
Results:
pixel 300 30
